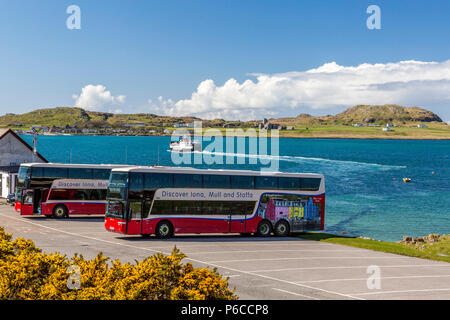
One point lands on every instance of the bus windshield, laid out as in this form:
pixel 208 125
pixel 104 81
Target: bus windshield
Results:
pixel 23 176
pixel 117 185
pixel 115 209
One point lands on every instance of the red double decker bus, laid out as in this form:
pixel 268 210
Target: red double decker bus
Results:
pixel 166 200
pixel 35 187
pixel 75 196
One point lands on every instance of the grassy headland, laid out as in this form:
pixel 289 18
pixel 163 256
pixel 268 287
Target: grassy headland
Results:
pixel 358 122
pixel 438 249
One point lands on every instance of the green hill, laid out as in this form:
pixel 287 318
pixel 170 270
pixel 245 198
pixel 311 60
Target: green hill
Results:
pixel 366 114
pixel 69 116
pixel 386 113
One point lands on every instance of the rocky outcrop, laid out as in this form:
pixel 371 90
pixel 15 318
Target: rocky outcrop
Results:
pixel 422 241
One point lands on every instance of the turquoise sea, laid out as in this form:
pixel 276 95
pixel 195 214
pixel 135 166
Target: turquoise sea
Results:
pixel 365 192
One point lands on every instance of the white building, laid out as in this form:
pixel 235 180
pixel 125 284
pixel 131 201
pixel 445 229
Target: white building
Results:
pixel 386 129
pixel 13 152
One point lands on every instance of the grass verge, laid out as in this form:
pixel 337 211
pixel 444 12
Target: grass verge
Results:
pixel 435 251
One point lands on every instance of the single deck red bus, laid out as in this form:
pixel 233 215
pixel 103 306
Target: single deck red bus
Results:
pixel 166 200
pixel 34 182
pixel 75 196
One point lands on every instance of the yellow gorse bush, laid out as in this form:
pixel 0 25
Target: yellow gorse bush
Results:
pixel 28 273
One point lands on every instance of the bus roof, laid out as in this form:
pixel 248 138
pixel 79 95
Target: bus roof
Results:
pixel 189 170
pixel 72 165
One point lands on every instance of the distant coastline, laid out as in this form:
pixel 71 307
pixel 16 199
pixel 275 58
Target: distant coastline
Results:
pixel 381 137
pixel 358 122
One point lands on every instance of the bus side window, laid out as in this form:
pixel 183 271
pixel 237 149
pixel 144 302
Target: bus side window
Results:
pixel 50 172
pixel 146 212
pixel 101 174
pixel 266 182
pixel 95 195
pixel 250 207
pixel 242 182
pixel 135 209
pixel 289 183
pixel 80 173
pixel 238 208
pixel 81 195
pixel 311 184
pixel 162 207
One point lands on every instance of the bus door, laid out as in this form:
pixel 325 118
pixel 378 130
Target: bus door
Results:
pixel 134 217
pixel 238 215
pixel 146 223
pixel 27 205
pixel 37 197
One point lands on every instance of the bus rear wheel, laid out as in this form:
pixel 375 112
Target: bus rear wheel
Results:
pixel 264 228
pixel 60 211
pixel 164 230
pixel 282 228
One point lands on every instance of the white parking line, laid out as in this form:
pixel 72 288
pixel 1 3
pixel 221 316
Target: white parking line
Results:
pixel 262 251
pixel 296 294
pixel 193 260
pixel 365 279
pixel 307 258
pixel 351 267
pixel 400 291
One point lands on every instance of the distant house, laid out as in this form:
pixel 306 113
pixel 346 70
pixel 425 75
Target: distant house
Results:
pixel 266 125
pixel 56 129
pixel 183 125
pixel 86 130
pixel 358 125
pixel 386 129
pixel 135 124
pixel 421 126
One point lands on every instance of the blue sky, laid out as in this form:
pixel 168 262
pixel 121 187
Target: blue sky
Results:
pixel 142 50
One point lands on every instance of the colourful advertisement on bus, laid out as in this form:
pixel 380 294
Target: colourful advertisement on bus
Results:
pixel 303 212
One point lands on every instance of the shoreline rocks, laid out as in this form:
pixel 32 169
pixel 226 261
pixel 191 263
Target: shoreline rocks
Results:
pixel 422 241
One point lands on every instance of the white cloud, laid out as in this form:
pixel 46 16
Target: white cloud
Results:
pixel 410 83
pixel 97 98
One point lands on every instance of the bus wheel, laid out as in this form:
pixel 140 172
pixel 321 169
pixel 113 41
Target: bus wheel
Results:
pixel 264 228
pixel 282 228
pixel 164 230
pixel 60 211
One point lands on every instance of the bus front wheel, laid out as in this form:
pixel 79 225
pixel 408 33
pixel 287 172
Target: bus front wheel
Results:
pixel 60 211
pixel 164 230
pixel 264 228
pixel 282 228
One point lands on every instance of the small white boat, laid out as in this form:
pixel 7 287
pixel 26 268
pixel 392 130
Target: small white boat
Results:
pixel 185 144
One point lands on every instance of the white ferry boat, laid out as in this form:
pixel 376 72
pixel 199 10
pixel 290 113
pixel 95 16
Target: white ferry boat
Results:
pixel 185 144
